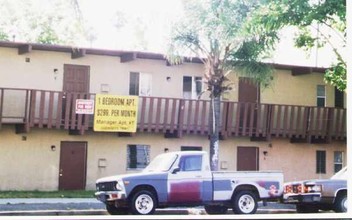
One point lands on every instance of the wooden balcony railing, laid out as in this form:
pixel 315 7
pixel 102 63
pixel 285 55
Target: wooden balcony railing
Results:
pixel 175 117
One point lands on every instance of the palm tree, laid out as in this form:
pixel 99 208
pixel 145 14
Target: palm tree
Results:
pixel 215 32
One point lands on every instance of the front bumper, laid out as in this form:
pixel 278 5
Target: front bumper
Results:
pixel 302 198
pixel 110 196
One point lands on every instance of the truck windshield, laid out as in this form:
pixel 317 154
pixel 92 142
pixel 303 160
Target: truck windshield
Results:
pixel 161 163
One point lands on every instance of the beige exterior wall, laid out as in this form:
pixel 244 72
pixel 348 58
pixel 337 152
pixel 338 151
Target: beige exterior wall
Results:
pixel 286 89
pixel 39 72
pixel 30 164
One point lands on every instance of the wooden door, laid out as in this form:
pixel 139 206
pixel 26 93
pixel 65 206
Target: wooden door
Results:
pixel 248 98
pixel 248 91
pixel 76 78
pixel 247 158
pixel 73 165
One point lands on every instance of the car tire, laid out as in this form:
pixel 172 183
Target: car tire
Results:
pixel 306 208
pixel 340 204
pixel 113 210
pixel 244 202
pixel 143 203
pixel 215 209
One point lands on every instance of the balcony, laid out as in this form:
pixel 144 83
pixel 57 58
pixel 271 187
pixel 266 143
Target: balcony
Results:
pixel 27 108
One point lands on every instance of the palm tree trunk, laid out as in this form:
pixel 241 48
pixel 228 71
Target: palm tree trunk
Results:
pixel 214 121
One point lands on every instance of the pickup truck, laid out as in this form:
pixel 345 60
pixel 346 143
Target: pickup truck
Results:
pixel 312 195
pixel 184 179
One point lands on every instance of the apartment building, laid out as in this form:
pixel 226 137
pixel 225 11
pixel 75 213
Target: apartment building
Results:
pixel 297 124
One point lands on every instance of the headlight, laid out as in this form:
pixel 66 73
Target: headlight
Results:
pixel 119 185
pixel 313 188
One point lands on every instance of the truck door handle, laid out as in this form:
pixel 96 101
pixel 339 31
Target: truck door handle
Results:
pixel 198 176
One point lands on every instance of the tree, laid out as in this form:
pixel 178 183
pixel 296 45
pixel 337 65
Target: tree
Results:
pixel 214 31
pixel 319 23
pixel 39 21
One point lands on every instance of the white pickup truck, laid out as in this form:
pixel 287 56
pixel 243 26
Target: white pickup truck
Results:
pixel 185 179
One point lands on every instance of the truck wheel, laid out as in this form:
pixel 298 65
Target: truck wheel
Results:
pixel 215 209
pixel 340 204
pixel 245 202
pixel 306 208
pixel 143 203
pixel 113 210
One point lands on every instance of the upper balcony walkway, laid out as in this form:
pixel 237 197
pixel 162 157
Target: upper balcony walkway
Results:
pixel 28 108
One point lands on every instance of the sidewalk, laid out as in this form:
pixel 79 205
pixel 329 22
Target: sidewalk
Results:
pixel 91 206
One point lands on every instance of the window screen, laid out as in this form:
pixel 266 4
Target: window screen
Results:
pixel 338 161
pixel 321 96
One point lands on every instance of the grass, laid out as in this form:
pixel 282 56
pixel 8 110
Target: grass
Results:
pixel 47 194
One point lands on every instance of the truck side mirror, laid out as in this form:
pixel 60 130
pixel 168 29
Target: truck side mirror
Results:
pixel 176 170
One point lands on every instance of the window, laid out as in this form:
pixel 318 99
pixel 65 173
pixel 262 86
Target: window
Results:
pixel 321 96
pixel 339 98
pixel 192 87
pixel 191 163
pixel 140 84
pixel 138 156
pixel 321 162
pixel 190 148
pixel 338 161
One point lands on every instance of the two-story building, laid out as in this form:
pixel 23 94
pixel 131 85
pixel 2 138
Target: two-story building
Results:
pixel 297 125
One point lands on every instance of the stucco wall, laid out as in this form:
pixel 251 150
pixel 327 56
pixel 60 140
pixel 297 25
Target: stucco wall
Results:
pixel 30 164
pixel 39 72
pixel 290 90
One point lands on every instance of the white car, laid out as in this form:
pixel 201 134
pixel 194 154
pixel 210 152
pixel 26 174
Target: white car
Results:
pixel 312 195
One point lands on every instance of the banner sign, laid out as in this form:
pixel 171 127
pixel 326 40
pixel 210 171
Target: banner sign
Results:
pixel 115 113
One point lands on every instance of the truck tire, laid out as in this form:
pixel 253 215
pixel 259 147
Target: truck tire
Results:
pixel 340 204
pixel 143 203
pixel 245 202
pixel 306 208
pixel 113 210
pixel 215 209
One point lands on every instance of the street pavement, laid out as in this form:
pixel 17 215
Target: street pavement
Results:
pixel 91 206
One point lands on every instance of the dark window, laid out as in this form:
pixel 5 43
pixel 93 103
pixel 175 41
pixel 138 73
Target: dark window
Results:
pixel 138 156
pixel 321 162
pixel 191 163
pixel 190 148
pixel 187 84
pixel 134 83
pixel 339 98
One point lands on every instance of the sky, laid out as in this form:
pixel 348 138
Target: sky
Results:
pixel 159 14
pixel 157 17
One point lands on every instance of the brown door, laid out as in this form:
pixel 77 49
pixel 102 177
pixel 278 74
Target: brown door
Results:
pixel 247 158
pixel 73 165
pixel 76 78
pixel 248 93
